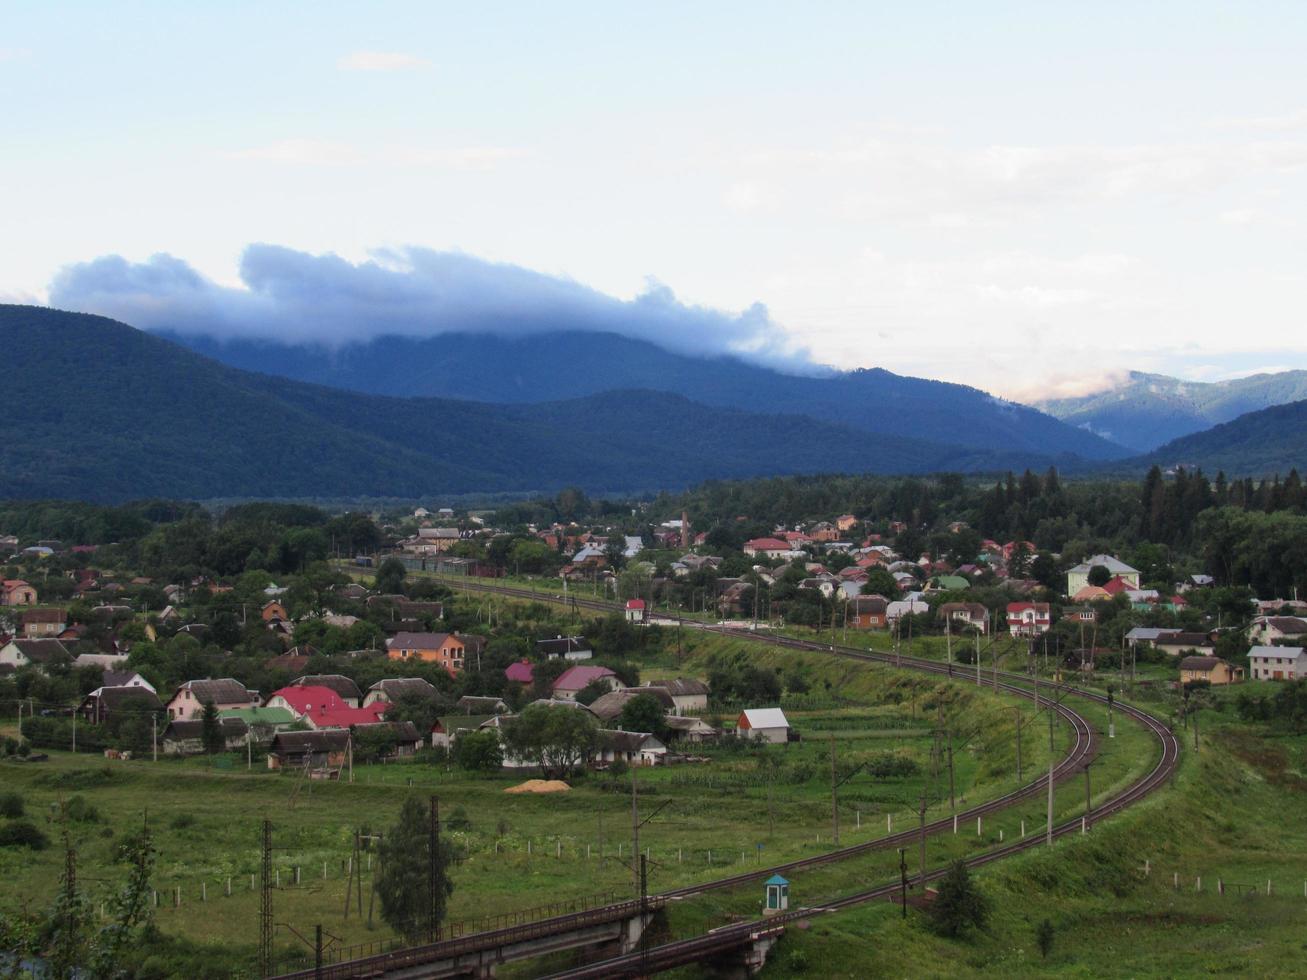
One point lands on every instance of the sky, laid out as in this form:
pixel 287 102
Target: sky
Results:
pixel 1028 197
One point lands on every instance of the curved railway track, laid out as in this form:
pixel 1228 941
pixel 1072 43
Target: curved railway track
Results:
pixel 1083 749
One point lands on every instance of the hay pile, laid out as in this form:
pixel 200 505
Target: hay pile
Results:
pixel 540 786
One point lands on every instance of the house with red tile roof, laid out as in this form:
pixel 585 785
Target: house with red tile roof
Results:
pixel 522 672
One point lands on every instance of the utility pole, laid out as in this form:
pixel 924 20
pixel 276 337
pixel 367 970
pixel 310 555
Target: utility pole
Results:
pixel 922 825
pixel 265 904
pixel 952 796
pixel 635 831
pixel 834 795
pixel 74 730
pixel 1051 755
pixel 948 650
pixel 1089 798
pixel 1018 710
pixel 154 736
pixel 978 681
pixel 433 868
pixel 903 880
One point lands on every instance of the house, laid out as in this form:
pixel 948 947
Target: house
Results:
pixel 767 724
pixel 1213 670
pixel 949 583
pixel 846 522
pixel 572 681
pixel 274 610
pixel 688 729
pixel 1092 593
pixel 522 672
pixel 1078 577
pixel 20 653
pixel 392 689
pixel 688 694
pixel 632 748
pixel 446 649
pixel 474 704
pixel 867 612
pixel 448 728
pixel 189 700
pixel 345 689
pixel 635 611
pixel 404 733
pixel 321 707
pixel 125 678
pixel 1176 643
pixel 768 548
pixel 263 722
pixel 40 623
pixel 186 737
pixel 610 706
pixel 16 592
pixel 1277 663
pixel 322 751
pixel 567 647
pixel 100 704
pixel 1265 630
pixel 1028 618
pixel 1086 615
pixel 965 614
pixel 899 608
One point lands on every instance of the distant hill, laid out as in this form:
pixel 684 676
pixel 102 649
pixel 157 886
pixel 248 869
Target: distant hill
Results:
pixel 571 364
pixel 1263 443
pixel 1148 410
pixel 95 409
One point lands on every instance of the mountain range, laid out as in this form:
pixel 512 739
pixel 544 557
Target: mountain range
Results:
pixel 98 410
pixel 1147 410
pixel 558 365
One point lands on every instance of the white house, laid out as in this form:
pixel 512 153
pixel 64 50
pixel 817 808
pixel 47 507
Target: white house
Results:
pixel 769 724
pixel 688 694
pixel 1078 577
pixel 1277 663
pixel 633 748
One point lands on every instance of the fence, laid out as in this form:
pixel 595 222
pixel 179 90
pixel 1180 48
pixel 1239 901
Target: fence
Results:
pixel 1222 886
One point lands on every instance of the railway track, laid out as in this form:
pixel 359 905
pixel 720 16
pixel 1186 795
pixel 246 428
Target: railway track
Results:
pixel 698 948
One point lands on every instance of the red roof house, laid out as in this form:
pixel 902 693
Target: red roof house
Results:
pixel 521 672
pixel 575 679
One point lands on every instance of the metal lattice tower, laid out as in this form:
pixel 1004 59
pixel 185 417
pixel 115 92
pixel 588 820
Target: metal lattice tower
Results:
pixel 265 904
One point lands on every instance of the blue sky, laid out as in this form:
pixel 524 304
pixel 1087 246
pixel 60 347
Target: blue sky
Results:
pixel 1025 197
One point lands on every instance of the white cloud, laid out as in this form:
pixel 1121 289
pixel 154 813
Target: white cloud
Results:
pixel 745 195
pixel 381 61
pixel 13 54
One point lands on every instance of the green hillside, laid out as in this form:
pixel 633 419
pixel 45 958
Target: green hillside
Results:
pixel 1271 441
pixel 98 410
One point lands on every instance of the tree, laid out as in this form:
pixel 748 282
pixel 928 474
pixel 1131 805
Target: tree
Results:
pixel 1099 575
pixel 404 878
pixel 211 729
pixel 958 904
pixel 390 577
pixel 643 713
pixel 558 740
pixel 1044 938
pixel 479 751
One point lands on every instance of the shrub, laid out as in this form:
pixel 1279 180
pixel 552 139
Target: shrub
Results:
pixel 11 805
pixel 11 745
pixel 458 820
pixel 23 833
pixel 182 820
pixel 79 810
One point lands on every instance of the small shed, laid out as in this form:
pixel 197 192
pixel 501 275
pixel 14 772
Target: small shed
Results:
pixel 316 750
pixel 778 895
pixel 768 724
pixel 635 611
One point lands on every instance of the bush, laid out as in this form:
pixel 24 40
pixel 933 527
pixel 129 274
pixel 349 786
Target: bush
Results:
pixel 10 745
pixel 11 805
pixel 182 820
pixel 80 811
pixel 458 820
pixel 22 833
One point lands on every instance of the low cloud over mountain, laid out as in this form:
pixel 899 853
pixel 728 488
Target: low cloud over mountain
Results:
pixel 295 297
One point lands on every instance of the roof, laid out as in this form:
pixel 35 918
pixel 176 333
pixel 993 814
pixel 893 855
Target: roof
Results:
pixel 40 651
pixel 260 716
pixel 1185 639
pixel 1113 565
pixel 453 723
pixel 1200 663
pixel 612 704
pixel 118 678
pixel 1287 624
pixel 765 718
pixel 522 672
pixel 1147 633
pixel 687 723
pixel 628 741
pixel 342 685
pixel 634 603
pixel 952 582
pixel 304 698
pixel 45 616
pixel 575 678
pixel 475 704
pixel 398 687
pixel 1276 653
pixel 776 880
pixel 1023 606
pixel 224 690
pixel 680 687
pixel 419 641
pixel 768 544
pixel 335 740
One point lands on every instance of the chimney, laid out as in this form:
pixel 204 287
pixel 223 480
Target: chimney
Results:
pixel 685 529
